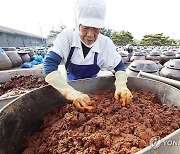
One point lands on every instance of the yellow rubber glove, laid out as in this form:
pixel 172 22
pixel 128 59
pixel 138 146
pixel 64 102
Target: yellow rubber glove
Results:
pixel 80 100
pixel 122 92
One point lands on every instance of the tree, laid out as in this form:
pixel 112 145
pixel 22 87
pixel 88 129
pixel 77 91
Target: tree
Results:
pixel 122 38
pixel 106 32
pixel 54 33
pixel 156 40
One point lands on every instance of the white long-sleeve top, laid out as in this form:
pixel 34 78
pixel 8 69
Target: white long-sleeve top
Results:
pixel 108 58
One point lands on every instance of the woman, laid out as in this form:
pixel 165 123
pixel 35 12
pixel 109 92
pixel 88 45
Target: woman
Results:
pixel 85 52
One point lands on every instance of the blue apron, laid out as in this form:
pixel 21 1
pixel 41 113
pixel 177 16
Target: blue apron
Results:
pixel 75 72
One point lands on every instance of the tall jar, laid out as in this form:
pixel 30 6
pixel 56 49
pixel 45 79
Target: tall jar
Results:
pixel 5 62
pixel 25 56
pixel 15 58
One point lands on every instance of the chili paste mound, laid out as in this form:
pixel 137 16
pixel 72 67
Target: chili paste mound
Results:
pixel 108 129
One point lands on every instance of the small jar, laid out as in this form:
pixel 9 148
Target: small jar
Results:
pixel 138 56
pixel 166 56
pixel 154 55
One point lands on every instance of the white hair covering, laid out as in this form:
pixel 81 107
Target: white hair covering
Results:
pixel 90 13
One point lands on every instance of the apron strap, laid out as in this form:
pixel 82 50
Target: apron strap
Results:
pixel 69 57
pixel 95 58
pixel 71 53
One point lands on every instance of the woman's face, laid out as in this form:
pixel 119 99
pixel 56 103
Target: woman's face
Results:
pixel 88 34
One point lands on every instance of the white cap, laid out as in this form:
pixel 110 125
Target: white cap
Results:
pixel 90 13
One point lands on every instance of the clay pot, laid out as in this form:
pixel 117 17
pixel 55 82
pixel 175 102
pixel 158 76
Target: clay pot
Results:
pixel 15 58
pixel 5 62
pixel 154 55
pixel 171 69
pixel 25 57
pixel 166 56
pixel 158 64
pixel 178 55
pixel 24 116
pixel 31 53
pixel 138 56
pixel 142 65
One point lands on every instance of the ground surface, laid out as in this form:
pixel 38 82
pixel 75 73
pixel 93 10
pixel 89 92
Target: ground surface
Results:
pixel 108 129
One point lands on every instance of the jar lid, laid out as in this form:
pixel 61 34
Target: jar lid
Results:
pixel 148 66
pixel 138 54
pixel 173 64
pixel 169 53
pixel 155 53
pixel 23 52
pixel 123 53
